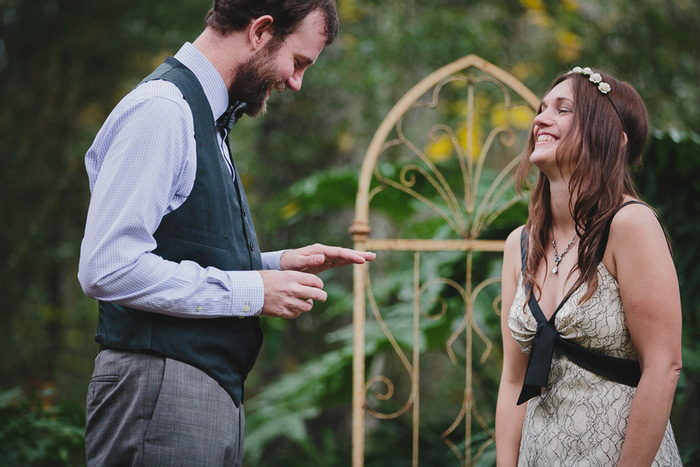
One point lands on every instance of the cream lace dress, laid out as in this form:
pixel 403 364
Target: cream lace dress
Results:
pixel 580 418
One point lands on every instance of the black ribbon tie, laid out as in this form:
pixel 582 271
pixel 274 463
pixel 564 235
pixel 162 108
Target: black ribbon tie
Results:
pixel 231 116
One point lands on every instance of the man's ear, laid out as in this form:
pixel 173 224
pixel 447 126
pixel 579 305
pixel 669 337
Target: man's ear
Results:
pixel 260 31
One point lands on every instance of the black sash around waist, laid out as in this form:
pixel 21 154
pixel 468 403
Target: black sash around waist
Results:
pixel 547 338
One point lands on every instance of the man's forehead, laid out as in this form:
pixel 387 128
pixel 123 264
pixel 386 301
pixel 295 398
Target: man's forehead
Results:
pixel 309 38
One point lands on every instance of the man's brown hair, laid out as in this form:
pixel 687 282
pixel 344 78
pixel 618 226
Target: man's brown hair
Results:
pixel 226 16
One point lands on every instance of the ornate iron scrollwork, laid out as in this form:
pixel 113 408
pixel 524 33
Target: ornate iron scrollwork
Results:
pixel 468 206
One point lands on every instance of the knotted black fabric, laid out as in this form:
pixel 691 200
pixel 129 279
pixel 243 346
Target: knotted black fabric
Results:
pixel 547 338
pixel 541 352
pixel 231 116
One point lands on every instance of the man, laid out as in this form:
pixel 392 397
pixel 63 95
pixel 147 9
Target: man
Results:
pixel 170 250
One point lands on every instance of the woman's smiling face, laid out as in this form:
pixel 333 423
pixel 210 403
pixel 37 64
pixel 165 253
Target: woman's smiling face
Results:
pixel 552 124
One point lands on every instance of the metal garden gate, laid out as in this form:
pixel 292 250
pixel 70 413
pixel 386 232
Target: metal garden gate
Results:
pixel 445 154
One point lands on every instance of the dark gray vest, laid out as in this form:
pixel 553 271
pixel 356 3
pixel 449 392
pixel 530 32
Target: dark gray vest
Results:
pixel 213 227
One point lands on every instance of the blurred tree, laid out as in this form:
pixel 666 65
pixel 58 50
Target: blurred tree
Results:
pixel 63 65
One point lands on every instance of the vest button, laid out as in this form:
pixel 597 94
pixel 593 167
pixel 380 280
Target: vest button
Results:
pixel 245 214
pixel 252 247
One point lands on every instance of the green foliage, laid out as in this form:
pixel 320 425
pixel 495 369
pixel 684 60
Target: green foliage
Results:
pixel 670 181
pixel 35 432
pixel 283 409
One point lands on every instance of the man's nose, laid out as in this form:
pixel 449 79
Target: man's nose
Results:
pixel 294 81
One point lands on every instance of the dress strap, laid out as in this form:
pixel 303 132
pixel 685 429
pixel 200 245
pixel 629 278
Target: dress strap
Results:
pixel 523 249
pixel 634 201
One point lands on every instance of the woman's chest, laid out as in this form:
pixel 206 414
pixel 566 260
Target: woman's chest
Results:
pixel 598 323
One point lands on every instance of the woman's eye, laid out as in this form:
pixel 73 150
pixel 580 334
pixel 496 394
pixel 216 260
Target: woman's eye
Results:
pixel 564 109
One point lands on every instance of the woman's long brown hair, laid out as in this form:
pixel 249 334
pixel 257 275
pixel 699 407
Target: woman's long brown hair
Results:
pixel 599 161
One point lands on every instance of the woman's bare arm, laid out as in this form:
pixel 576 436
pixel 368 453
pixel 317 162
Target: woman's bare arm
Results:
pixel 509 416
pixel 651 300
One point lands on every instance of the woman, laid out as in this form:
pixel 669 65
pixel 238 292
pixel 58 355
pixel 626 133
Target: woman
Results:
pixel 591 306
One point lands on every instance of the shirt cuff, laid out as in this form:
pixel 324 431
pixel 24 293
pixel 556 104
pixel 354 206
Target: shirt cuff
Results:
pixel 271 260
pixel 247 293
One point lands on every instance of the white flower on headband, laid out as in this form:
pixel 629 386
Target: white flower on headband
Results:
pixel 593 77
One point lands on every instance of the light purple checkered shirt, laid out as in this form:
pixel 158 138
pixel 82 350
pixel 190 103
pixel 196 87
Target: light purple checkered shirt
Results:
pixel 141 166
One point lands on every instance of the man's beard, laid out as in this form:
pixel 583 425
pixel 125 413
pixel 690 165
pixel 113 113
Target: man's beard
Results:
pixel 255 79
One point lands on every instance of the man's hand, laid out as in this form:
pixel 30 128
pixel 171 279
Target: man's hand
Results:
pixel 317 258
pixel 289 293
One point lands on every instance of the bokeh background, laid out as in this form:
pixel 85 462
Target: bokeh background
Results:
pixel 65 63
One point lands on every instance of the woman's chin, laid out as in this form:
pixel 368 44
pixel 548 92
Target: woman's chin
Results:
pixel 542 158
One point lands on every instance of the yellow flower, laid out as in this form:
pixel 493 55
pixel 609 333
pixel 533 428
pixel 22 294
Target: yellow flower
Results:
pixel 290 210
pixel 439 150
pixel 571 5
pixel 539 18
pixel 349 11
pixel 443 148
pixel 537 5
pixel 345 142
pixel 476 136
pixel 570 46
pixel 518 117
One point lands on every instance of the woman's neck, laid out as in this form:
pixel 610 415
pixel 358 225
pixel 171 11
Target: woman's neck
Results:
pixel 562 220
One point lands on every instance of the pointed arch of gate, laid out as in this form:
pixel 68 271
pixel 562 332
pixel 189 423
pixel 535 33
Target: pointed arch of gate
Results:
pixel 467 217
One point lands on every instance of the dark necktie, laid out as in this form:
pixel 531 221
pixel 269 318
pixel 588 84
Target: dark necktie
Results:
pixel 231 116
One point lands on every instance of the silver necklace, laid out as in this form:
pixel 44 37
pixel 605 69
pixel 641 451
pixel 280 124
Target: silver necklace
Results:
pixel 557 256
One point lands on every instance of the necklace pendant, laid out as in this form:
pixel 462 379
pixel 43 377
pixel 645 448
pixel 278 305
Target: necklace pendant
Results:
pixel 557 256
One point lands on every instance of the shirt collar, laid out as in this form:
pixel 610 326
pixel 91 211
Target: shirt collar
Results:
pixel 209 78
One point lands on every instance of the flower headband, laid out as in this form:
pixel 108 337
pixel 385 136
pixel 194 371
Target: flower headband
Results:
pixel 594 78
pixel 602 86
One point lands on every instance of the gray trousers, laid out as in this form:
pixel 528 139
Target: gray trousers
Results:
pixel 147 410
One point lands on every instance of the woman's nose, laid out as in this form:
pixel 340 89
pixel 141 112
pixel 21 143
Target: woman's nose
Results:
pixel 543 119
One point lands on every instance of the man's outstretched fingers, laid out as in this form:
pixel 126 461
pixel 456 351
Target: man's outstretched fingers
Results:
pixel 318 258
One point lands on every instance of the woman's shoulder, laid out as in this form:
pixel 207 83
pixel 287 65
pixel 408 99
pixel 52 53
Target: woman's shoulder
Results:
pixel 511 252
pixel 629 231
pixel 635 230
pixel 634 216
pixel 513 240
pixel 514 236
